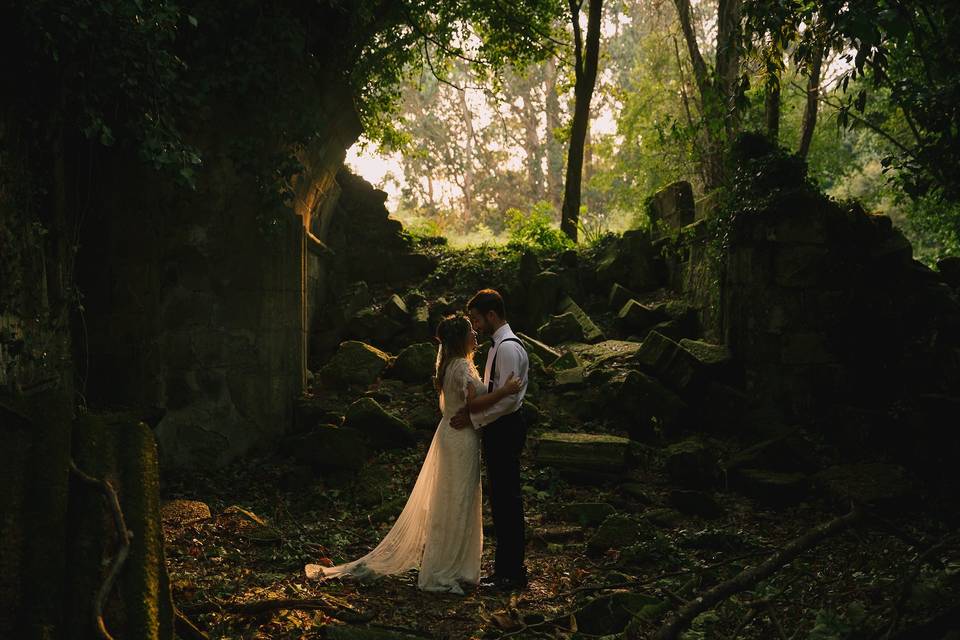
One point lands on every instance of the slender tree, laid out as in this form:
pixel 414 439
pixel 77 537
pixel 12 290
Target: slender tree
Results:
pixel 586 57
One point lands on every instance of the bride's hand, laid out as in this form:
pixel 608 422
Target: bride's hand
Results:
pixel 512 386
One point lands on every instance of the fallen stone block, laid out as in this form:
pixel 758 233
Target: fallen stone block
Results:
pixel 592 455
pixel 355 363
pixel 591 332
pixel 561 328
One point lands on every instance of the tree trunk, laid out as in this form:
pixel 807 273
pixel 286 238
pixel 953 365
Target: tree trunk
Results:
pixel 728 63
pixel 467 160
pixel 813 101
pixel 772 110
pixel 554 187
pixel 586 77
pixel 533 148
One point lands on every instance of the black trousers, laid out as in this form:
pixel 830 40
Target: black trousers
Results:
pixel 503 441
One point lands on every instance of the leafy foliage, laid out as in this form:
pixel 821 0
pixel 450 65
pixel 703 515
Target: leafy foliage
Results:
pixel 536 230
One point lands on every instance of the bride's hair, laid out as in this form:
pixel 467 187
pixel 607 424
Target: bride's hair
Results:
pixel 452 334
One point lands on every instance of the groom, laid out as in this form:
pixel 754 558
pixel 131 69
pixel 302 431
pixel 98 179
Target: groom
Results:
pixel 504 433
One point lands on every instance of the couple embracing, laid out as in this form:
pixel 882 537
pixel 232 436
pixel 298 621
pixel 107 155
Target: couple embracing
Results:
pixel 440 530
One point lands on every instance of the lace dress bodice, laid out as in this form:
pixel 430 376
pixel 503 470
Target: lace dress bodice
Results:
pixel 459 376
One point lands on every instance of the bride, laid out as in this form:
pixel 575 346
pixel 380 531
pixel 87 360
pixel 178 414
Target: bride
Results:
pixel 440 529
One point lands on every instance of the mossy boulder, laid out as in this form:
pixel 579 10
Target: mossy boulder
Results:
pixel 610 614
pixel 355 363
pixel 615 532
pixel 415 364
pixel 380 428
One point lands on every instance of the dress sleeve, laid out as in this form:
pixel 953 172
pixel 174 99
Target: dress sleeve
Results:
pixel 464 379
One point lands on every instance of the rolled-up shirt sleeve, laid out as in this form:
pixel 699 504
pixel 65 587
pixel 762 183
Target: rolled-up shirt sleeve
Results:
pixel 510 359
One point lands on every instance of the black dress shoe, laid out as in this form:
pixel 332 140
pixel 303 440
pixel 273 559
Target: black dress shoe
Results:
pixel 505 583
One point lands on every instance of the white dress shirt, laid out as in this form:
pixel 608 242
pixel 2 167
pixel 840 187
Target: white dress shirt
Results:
pixel 513 359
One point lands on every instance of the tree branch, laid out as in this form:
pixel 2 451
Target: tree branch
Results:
pixel 749 577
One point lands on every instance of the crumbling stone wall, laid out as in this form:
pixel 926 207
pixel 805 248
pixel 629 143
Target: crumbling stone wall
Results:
pixel 197 304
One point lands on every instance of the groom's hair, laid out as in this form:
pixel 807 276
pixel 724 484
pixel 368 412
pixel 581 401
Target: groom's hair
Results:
pixel 487 300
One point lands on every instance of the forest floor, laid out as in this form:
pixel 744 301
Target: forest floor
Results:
pixel 239 572
pixel 859 583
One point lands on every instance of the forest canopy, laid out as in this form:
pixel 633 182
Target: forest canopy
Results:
pixel 478 95
pixel 865 92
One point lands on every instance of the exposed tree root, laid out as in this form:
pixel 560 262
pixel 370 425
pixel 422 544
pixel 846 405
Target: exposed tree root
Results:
pixel 677 623
pixel 123 534
pixel 275 604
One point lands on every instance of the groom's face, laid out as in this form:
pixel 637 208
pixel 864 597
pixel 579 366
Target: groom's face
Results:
pixel 480 323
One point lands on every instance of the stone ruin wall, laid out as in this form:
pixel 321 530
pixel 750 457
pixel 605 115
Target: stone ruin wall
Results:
pixel 197 313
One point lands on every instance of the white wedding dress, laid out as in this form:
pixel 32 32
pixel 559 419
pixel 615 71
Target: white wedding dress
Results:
pixel 440 529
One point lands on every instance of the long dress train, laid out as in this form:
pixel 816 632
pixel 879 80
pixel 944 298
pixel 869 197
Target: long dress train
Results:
pixel 440 528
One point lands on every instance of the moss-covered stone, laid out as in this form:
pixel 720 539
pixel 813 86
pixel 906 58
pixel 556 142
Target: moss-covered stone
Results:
pixel 355 363
pixel 415 364
pixel 380 428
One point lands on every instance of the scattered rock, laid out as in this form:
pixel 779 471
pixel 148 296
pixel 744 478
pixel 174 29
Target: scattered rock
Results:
pixel 544 351
pixel 568 360
pixel 371 324
pixel 586 514
pixel 355 363
pixel 396 309
pixel 591 332
pixel 381 429
pixel 619 296
pixel 665 518
pixel 692 464
pixel 695 503
pixel 569 377
pixel 614 532
pixel 415 364
pixel 636 491
pixel 787 452
pixel 635 318
pixel 670 362
pixel 610 614
pixel 635 399
pixel 561 328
